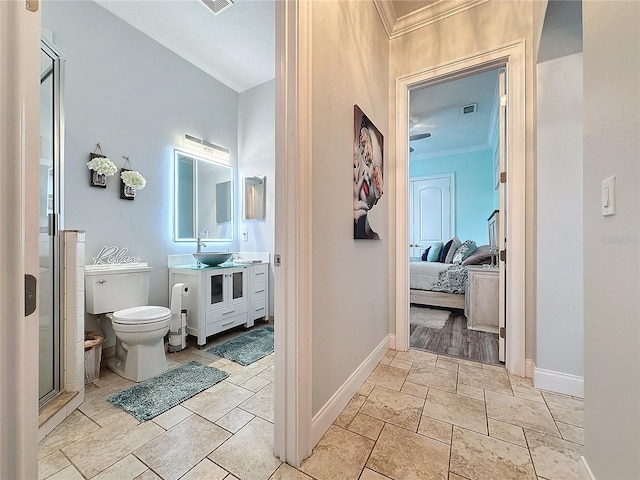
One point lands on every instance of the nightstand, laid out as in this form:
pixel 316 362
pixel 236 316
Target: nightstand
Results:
pixel 481 299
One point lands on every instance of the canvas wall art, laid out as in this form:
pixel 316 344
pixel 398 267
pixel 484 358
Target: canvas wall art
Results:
pixel 368 148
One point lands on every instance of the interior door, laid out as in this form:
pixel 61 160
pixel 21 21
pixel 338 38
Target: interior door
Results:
pixel 430 212
pixel 502 226
pixel 19 146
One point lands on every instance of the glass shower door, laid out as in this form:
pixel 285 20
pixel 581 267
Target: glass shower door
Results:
pixel 49 298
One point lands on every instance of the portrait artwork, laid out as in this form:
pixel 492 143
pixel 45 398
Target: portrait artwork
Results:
pixel 367 174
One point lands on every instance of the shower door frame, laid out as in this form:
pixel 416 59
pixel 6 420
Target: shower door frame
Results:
pixel 55 220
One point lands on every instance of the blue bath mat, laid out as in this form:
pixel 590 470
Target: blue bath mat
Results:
pixel 246 348
pixel 156 395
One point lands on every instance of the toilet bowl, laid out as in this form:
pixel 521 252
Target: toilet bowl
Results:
pixel 140 333
pixel 120 293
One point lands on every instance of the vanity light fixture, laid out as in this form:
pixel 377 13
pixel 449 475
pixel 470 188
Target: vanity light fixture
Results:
pixel 208 148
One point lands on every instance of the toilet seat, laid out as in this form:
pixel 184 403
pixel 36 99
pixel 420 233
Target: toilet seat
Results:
pixel 140 333
pixel 141 315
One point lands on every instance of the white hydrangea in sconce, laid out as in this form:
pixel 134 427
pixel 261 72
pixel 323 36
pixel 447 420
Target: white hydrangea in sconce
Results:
pixel 100 167
pixel 132 181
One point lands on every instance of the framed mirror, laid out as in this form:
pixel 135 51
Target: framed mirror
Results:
pixel 203 203
pixel 254 198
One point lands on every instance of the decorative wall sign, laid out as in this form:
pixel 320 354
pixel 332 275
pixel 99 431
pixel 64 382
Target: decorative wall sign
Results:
pixel 130 181
pixel 368 148
pixel 126 192
pixel 100 167
pixel 95 179
pixel 113 255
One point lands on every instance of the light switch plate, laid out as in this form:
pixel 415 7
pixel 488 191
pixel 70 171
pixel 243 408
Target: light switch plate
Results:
pixel 609 196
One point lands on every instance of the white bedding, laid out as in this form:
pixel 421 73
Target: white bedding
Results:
pixel 424 275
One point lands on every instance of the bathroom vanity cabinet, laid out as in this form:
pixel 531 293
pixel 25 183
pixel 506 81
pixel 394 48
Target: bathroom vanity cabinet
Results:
pixel 221 298
pixel 258 292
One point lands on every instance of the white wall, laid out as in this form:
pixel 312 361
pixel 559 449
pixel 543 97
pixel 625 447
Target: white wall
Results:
pixel 350 277
pixel 256 151
pixel 136 98
pixel 478 29
pixel 559 327
pixel 612 244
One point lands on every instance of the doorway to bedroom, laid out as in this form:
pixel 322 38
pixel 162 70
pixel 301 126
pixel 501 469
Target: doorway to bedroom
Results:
pixel 454 205
pixel 513 187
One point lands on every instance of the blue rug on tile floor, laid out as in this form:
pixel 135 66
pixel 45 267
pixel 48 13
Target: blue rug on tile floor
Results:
pixel 246 348
pixel 158 394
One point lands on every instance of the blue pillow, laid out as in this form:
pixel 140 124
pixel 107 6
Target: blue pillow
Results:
pixel 445 251
pixel 425 254
pixel 434 252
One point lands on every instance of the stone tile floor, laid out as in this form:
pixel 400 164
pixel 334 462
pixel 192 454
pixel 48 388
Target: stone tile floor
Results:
pixel 418 416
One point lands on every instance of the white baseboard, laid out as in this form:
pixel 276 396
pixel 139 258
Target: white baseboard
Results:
pixel 529 367
pixel 585 471
pixel 330 411
pixel 392 341
pixel 558 382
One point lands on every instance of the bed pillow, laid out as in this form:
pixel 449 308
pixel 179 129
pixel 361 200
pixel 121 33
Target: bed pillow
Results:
pixel 455 245
pixel 445 251
pixel 434 252
pixel 425 254
pixel 466 249
pixel 479 256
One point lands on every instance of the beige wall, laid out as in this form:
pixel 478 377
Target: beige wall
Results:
pixel 478 29
pixel 612 244
pixel 350 58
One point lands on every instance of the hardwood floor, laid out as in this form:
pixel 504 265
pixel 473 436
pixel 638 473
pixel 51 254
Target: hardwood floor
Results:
pixel 454 339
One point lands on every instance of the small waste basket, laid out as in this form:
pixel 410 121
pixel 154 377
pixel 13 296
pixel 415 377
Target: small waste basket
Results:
pixel 92 356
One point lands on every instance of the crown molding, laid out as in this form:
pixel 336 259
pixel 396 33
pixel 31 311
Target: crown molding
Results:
pixel 387 15
pixel 396 26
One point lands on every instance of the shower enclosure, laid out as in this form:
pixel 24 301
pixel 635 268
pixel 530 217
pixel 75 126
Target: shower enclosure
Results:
pixel 50 293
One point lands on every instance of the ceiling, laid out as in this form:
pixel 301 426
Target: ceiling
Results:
pixel 400 17
pixel 437 110
pixel 237 46
pixel 406 7
pixel 562 30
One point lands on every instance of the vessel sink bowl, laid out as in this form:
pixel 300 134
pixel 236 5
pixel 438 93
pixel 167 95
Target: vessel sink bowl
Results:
pixel 212 259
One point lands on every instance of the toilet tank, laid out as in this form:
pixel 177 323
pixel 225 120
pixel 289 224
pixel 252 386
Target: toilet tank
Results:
pixel 113 287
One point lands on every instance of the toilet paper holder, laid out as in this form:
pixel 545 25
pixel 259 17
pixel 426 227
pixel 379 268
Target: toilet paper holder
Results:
pixel 178 327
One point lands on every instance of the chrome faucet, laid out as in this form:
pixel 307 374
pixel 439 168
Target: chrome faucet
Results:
pixel 200 244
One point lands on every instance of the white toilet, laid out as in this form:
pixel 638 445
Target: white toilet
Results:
pixel 121 293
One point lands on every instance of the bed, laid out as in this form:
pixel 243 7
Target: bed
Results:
pixel 437 284
pixel 443 284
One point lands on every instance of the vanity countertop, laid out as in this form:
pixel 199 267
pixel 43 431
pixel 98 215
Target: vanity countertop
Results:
pixel 202 266
pixel 243 259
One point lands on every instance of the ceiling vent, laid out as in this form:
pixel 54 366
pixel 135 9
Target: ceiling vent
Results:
pixel 471 108
pixel 217 6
